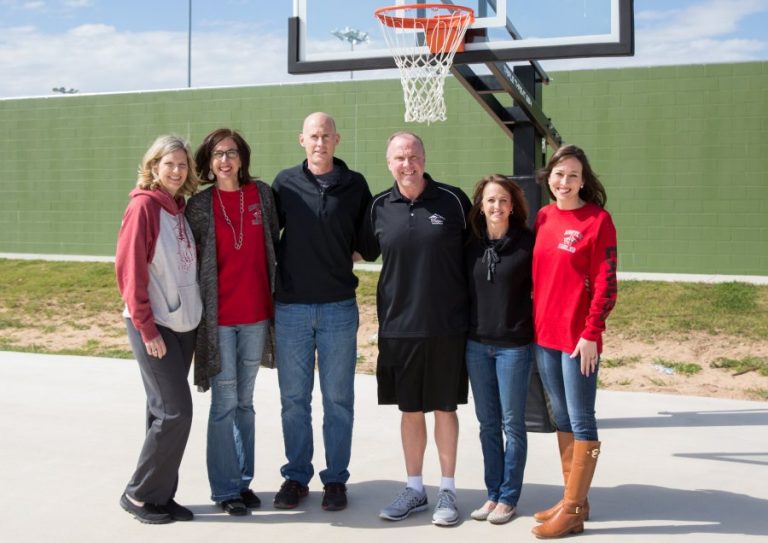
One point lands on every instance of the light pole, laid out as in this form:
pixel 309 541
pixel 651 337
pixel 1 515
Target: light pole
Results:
pixel 353 36
pixel 189 46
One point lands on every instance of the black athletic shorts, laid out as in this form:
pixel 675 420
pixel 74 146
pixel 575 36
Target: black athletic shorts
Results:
pixel 422 374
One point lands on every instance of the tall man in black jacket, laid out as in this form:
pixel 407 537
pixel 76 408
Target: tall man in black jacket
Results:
pixel 321 204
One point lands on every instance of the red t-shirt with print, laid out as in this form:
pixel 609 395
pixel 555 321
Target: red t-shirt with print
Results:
pixel 574 275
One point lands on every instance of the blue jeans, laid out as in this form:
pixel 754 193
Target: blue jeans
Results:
pixel 499 377
pixel 571 394
pixel 329 329
pixel 231 423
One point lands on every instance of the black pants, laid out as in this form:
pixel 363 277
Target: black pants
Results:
pixel 169 414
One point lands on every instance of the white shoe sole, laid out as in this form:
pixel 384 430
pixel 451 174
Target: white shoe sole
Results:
pixel 444 522
pixel 416 509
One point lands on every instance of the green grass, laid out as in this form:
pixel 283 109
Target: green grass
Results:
pixel 759 393
pixel 36 287
pixel 35 293
pixel 682 368
pixel 622 361
pixel 654 309
pixel 742 365
pixel 366 289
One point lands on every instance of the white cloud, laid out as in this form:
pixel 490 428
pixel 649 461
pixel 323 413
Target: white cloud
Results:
pixel 700 33
pixel 33 6
pixel 100 58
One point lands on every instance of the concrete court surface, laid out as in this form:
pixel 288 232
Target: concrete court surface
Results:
pixel 673 468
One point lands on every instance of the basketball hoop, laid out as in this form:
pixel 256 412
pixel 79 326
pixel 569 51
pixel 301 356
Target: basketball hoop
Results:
pixel 423 48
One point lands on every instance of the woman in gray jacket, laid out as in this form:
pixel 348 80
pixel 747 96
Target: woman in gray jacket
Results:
pixel 156 273
pixel 235 226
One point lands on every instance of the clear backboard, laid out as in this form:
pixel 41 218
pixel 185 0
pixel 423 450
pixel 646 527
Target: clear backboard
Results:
pixel 344 35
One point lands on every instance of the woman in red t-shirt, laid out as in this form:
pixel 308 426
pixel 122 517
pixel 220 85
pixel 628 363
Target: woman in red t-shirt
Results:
pixel 574 290
pixel 236 227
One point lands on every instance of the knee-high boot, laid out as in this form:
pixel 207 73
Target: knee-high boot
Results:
pixel 565 443
pixel 569 519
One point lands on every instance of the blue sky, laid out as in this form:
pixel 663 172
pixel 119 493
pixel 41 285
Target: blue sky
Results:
pixel 116 45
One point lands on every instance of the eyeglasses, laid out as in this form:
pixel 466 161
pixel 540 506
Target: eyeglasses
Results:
pixel 230 153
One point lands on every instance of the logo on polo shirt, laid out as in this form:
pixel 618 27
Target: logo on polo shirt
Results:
pixel 436 219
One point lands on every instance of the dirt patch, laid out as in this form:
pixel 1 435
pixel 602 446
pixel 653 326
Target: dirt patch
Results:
pixel 651 371
pixel 644 369
pixel 641 365
pixel 62 333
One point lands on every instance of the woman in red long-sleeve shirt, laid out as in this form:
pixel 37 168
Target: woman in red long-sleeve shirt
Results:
pixel 574 290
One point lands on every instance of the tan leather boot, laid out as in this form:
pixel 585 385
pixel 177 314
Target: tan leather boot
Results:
pixel 565 442
pixel 569 519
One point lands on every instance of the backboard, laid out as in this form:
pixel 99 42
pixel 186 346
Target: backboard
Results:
pixel 344 35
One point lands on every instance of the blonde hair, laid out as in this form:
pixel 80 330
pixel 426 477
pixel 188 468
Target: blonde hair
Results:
pixel 162 146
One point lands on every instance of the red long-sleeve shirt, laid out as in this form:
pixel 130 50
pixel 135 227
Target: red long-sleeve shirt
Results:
pixel 574 275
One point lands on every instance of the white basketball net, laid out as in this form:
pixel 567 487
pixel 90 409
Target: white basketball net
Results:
pixel 424 55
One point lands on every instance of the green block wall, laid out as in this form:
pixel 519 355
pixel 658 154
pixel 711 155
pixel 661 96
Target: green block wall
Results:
pixel 678 148
pixel 683 155
pixel 70 161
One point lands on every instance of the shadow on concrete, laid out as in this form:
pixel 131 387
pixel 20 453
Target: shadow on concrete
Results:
pixel 690 419
pixel 366 498
pixel 679 511
pixel 756 458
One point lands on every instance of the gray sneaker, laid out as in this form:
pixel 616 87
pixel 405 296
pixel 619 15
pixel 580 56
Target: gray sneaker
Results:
pixel 446 513
pixel 407 502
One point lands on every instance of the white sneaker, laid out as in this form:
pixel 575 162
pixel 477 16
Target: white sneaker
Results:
pixel 407 502
pixel 446 513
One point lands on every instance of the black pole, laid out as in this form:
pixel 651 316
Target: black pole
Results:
pixel 529 147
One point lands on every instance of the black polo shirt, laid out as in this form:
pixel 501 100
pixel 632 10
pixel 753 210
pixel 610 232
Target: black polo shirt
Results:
pixel 422 289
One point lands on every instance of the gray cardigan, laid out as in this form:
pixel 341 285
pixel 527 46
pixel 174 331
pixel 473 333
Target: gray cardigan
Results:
pixel 199 213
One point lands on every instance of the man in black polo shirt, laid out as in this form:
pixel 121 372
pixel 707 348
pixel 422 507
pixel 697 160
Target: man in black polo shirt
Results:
pixel 419 228
pixel 321 204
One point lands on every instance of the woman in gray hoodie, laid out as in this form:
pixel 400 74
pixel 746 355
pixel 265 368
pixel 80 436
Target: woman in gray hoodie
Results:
pixel 156 269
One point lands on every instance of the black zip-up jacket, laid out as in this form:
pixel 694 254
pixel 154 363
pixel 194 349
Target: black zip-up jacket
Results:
pixel 422 289
pixel 319 234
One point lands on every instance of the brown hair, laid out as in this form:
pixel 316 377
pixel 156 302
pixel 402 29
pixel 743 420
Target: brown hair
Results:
pixel 592 191
pixel 203 155
pixel 519 214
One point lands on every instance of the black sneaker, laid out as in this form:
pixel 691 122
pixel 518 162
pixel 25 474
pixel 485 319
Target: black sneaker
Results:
pixel 289 494
pixel 250 499
pixel 147 513
pixel 178 512
pixel 234 507
pixel 334 497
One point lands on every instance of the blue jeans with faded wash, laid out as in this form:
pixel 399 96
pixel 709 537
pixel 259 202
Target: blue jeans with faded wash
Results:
pixel 327 331
pixel 571 394
pixel 231 422
pixel 499 378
